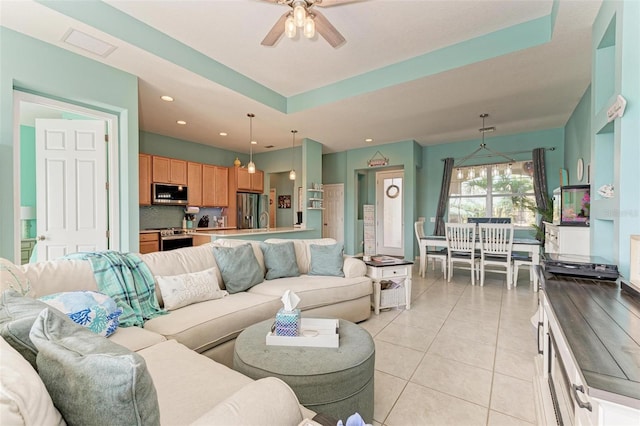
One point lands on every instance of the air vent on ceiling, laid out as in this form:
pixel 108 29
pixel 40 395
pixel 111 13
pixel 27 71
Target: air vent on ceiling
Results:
pixel 89 43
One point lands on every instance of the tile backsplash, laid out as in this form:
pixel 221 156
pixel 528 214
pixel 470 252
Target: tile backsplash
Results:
pixel 155 217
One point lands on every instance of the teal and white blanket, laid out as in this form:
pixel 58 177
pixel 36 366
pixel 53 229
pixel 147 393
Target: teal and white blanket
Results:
pixel 127 280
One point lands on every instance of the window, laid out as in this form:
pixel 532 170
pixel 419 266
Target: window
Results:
pixel 493 190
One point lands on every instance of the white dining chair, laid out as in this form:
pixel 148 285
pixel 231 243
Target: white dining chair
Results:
pixel 496 245
pixel 426 255
pixel 521 259
pixel 461 247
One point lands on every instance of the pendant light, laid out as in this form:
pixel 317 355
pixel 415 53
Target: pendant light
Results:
pixel 292 173
pixel 251 167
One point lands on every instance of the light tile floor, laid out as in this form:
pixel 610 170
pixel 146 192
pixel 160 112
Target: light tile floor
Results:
pixel 462 355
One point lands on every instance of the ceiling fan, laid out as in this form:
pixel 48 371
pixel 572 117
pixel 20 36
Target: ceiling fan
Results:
pixel 304 16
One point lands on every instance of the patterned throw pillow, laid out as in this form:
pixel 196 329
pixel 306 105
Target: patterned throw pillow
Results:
pixel 95 311
pixel 182 290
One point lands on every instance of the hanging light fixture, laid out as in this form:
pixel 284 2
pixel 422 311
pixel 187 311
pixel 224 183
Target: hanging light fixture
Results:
pixel 290 27
pixel 300 18
pixel 251 167
pixel 495 172
pixel 299 12
pixel 507 171
pixel 460 174
pixel 309 29
pixel 483 172
pixel 472 173
pixel 292 173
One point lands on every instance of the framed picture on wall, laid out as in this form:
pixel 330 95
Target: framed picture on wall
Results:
pixel 284 201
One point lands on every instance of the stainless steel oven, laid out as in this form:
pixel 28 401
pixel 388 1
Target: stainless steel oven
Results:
pixel 171 239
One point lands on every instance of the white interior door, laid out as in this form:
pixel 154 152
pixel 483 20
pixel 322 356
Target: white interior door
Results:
pixel 333 218
pixel 390 213
pixel 71 178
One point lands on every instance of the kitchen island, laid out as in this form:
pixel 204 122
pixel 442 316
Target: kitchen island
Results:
pixel 203 237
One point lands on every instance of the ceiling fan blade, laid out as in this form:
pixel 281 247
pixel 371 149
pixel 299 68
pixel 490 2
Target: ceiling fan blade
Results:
pixel 276 31
pixel 329 3
pixel 328 31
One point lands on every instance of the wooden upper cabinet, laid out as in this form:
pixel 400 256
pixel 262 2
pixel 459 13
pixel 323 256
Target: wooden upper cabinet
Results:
pixel 194 183
pixel 215 186
pixel 144 179
pixel 246 181
pixel 169 170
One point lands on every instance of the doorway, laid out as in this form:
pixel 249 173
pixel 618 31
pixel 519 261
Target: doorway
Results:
pixel 390 213
pixel 333 217
pixel 28 108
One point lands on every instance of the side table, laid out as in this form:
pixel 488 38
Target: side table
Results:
pixel 389 270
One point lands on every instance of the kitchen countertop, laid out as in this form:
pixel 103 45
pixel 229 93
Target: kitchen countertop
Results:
pixel 601 324
pixel 241 232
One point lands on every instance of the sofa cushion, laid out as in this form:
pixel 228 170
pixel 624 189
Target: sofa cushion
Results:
pixel 354 267
pixel 17 315
pixel 265 402
pixel 188 384
pixel 53 276
pixel 185 289
pixel 136 338
pixel 91 379
pixel 96 311
pixel 24 400
pixel 204 325
pixel 327 260
pixel 280 260
pixel 181 261
pixel 239 267
pixel 13 277
pixel 317 291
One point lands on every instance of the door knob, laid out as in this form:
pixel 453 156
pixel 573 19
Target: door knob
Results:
pixel 41 238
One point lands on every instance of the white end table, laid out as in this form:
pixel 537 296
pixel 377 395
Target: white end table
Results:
pixel 389 270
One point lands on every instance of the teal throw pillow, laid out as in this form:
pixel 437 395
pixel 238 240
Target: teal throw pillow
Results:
pixel 280 260
pixel 92 380
pixel 96 311
pixel 239 267
pixel 327 260
pixel 17 315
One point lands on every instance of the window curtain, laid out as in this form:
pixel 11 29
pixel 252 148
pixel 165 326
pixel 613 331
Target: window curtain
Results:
pixel 540 182
pixel 444 196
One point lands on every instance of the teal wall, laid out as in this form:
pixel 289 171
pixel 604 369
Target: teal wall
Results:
pixel 577 139
pixel 166 146
pixel 59 74
pixel 283 186
pixel 27 166
pixel 615 151
pixel 344 167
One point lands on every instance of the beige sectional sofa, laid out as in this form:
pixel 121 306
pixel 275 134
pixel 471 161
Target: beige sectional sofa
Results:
pixel 191 387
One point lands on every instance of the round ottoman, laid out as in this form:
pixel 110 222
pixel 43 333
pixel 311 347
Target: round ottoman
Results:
pixel 333 381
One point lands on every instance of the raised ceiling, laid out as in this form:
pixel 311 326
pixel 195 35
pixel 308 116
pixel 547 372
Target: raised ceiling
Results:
pixel 421 70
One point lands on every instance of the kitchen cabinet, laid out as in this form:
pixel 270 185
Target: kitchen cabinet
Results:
pixel 144 179
pixel 149 242
pixel 195 183
pixel 169 170
pixel 567 239
pixel 215 186
pixel 249 182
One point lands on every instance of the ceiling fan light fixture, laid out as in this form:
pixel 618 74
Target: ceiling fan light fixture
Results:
pixel 290 27
pixel 309 27
pixel 299 13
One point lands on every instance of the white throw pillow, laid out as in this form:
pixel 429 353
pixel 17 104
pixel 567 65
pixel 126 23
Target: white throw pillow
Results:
pixel 182 290
pixel 23 396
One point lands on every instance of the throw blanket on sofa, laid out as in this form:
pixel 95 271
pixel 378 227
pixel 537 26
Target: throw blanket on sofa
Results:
pixel 128 280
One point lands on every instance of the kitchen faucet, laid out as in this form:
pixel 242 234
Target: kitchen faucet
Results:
pixel 264 215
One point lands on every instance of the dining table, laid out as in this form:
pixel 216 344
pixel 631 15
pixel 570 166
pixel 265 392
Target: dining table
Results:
pixel 528 245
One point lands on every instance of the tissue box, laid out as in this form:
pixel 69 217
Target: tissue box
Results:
pixel 288 323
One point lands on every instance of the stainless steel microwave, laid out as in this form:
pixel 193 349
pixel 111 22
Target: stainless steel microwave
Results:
pixel 169 195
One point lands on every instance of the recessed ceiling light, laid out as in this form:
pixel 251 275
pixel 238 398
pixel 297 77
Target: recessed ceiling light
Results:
pixel 223 133
pixel 181 122
pixel 254 142
pixel 89 43
pixel 368 140
pixel 166 98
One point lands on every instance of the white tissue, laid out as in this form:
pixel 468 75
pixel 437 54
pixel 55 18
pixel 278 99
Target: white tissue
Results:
pixel 290 300
pixel 192 210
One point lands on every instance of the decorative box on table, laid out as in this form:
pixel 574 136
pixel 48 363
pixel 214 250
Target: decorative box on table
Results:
pixel 315 332
pixel 287 323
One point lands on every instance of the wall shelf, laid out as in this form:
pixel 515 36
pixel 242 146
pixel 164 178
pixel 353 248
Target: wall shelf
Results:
pixel 315 199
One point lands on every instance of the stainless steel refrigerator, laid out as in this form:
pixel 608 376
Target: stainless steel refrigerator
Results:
pixel 253 210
